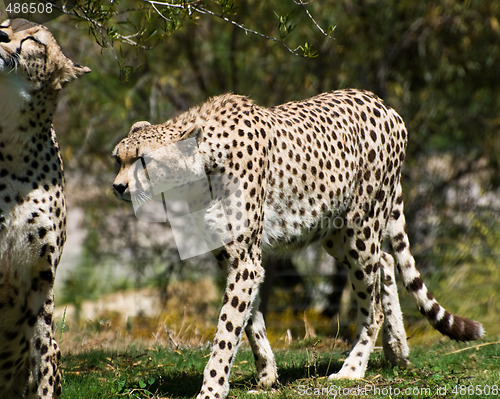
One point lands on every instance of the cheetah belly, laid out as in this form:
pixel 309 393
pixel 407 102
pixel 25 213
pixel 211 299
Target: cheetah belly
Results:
pixel 295 224
pixel 299 211
pixel 283 229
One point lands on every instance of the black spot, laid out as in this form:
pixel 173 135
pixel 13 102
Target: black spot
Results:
pixel 42 232
pixel 400 247
pixel 362 295
pixel 415 285
pixel 47 275
pixel 234 301
pixel 32 320
pixel 360 244
pixel 359 274
pixel 43 250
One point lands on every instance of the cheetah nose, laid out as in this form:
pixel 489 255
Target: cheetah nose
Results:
pixel 4 37
pixel 120 189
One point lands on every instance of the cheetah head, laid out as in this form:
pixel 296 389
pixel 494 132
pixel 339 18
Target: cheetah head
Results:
pixel 155 159
pixel 29 51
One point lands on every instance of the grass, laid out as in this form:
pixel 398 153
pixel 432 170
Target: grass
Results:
pixel 153 366
pixel 445 370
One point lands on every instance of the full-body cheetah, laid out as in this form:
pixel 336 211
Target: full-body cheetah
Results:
pixel 328 169
pixel 32 208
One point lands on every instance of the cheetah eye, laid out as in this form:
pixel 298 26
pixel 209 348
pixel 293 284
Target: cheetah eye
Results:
pixel 143 161
pixel 4 37
pixel 144 167
pixel 32 38
pixel 118 164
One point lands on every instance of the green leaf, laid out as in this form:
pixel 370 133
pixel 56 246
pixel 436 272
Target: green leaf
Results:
pixel 308 51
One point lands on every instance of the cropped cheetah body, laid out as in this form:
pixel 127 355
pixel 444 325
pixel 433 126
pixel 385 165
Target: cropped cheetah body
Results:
pixel 325 169
pixel 32 207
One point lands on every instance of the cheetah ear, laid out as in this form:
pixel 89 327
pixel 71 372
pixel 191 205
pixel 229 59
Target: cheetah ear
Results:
pixel 74 71
pixel 80 70
pixel 138 126
pixel 71 71
pixel 195 132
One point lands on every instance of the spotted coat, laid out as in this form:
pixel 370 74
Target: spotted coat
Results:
pixel 32 207
pixel 325 169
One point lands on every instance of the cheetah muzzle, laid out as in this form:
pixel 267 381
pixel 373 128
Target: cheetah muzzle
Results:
pixel 325 169
pixel 33 69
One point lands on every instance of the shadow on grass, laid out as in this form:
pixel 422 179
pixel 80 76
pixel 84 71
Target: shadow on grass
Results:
pixel 175 383
pixel 188 384
pixel 182 384
pixel 179 374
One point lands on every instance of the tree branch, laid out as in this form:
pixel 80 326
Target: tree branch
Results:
pixel 196 6
pixel 304 5
pixel 96 24
pixel 205 11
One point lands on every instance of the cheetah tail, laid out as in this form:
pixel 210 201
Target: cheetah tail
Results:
pixel 455 327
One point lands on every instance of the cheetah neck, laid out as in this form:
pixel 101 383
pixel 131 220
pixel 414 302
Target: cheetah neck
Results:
pixel 25 124
pixel 26 113
pixel 15 94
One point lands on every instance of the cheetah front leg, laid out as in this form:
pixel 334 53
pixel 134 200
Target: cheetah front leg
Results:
pixel 267 373
pixel 45 375
pixel 243 280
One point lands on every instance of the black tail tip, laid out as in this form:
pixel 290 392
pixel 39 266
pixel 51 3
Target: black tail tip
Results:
pixel 459 328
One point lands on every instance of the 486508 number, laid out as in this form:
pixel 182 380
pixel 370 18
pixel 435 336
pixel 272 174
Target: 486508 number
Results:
pixel 30 8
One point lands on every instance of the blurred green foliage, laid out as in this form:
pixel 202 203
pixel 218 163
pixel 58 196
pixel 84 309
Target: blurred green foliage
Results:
pixel 435 62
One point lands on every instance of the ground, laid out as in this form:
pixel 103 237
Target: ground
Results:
pixel 109 355
pixel 445 370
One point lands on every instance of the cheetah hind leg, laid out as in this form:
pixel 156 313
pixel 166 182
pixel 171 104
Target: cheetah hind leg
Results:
pixel 393 332
pixel 370 318
pixel 255 330
pixel 366 286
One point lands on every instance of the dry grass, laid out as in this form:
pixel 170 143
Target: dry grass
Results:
pixel 187 319
pixel 121 319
